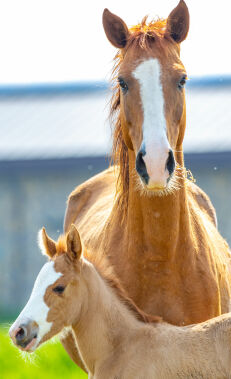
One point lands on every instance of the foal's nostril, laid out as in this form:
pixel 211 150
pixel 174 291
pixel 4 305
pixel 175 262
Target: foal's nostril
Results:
pixel 170 164
pixel 141 167
pixel 21 334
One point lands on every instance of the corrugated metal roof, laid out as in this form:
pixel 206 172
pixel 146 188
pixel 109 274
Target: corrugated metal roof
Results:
pixel 208 119
pixel 72 123
pixel 53 126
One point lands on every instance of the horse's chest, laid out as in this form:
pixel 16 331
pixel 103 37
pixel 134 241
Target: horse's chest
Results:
pixel 180 296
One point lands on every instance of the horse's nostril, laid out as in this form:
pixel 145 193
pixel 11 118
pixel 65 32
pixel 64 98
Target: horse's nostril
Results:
pixel 141 167
pixel 170 164
pixel 21 334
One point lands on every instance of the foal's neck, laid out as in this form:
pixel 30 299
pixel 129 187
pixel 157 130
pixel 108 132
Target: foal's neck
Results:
pixel 104 322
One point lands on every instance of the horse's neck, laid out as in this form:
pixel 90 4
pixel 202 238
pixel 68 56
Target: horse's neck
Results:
pixel 104 323
pixel 157 221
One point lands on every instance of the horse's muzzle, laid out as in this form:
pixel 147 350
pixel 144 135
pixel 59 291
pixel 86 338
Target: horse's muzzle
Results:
pixel 158 180
pixel 25 335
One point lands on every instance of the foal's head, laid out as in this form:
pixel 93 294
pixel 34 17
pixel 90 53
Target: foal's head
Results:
pixel 52 304
pixel 151 98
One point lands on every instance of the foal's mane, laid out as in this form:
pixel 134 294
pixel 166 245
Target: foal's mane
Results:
pixel 142 36
pixel 106 271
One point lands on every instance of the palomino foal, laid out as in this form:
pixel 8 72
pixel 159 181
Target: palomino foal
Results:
pixel 113 343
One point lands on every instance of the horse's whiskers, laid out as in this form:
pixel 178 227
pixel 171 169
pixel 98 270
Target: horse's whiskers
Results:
pixel 173 186
pixel 177 151
pixel 187 174
pixel 29 358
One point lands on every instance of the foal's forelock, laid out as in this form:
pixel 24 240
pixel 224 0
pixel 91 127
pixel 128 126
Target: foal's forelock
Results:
pixel 154 149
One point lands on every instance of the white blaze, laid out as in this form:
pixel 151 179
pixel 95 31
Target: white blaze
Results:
pixel 36 309
pixel 154 124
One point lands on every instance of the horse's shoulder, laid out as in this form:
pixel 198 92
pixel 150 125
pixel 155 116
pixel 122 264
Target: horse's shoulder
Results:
pixel 202 200
pixel 87 194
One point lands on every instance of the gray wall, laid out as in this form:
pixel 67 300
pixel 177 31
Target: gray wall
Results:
pixel 212 172
pixel 33 194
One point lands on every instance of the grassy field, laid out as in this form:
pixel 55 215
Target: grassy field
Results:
pixel 51 361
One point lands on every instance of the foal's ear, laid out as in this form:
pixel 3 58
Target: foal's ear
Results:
pixel 178 22
pixel 46 244
pixel 115 28
pixel 74 246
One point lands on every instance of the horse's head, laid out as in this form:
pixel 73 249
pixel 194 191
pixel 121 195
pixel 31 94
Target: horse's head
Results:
pixel 151 77
pixel 51 306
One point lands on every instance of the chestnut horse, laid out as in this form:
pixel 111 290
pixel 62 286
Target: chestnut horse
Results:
pixel 70 292
pixel 157 228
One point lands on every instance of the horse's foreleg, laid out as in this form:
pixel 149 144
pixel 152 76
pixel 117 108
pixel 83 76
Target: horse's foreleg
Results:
pixel 69 345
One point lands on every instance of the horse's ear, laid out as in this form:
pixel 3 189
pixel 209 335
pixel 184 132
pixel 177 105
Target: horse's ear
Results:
pixel 74 246
pixel 115 28
pixel 178 22
pixel 46 244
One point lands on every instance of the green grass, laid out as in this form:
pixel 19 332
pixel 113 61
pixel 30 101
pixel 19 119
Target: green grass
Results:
pixel 50 361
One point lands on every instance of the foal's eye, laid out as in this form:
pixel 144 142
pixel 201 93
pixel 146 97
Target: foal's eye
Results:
pixel 182 82
pixel 59 289
pixel 123 84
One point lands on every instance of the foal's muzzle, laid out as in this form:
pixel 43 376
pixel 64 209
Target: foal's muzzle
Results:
pixel 25 335
pixel 143 173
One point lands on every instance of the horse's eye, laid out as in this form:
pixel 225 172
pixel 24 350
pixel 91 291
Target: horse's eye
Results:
pixel 182 82
pixel 123 84
pixel 59 289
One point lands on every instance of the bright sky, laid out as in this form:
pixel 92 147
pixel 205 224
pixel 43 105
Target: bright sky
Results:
pixel 63 40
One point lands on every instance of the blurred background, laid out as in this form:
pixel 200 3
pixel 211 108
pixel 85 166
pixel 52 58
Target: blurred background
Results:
pixel 54 134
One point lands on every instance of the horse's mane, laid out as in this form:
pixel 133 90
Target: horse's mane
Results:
pixel 141 36
pixel 106 271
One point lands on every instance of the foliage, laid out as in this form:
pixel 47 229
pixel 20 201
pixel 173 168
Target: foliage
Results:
pixel 50 361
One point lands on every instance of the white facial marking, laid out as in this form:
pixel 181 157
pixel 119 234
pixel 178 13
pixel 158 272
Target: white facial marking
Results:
pixel 154 124
pixel 36 309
